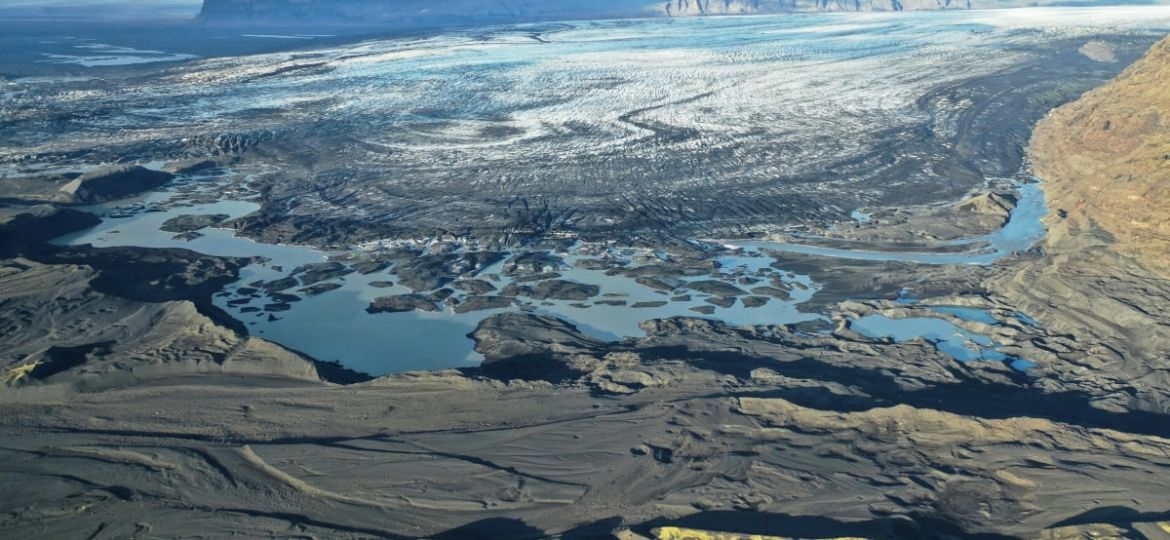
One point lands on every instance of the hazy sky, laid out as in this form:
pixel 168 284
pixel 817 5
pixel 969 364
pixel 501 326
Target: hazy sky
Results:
pixel 109 7
pixel 137 3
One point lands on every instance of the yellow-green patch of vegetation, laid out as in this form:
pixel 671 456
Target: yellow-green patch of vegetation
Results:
pixel 20 372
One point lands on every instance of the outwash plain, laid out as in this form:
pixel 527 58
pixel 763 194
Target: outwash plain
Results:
pixel 879 275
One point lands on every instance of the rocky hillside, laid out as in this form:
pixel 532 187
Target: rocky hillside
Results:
pixel 1106 158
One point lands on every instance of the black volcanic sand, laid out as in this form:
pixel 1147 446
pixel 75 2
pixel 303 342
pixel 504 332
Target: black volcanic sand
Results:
pixel 805 431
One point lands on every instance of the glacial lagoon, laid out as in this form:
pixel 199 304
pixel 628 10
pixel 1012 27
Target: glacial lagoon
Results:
pixel 335 326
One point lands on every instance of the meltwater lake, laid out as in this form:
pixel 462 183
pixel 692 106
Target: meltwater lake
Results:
pixel 334 325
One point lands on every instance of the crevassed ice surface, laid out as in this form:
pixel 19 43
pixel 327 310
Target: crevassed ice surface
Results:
pixel 726 76
pixel 679 120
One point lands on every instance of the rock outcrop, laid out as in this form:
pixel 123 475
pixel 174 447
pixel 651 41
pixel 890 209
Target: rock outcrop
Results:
pixel 1106 161
pixel 113 183
pixel 23 228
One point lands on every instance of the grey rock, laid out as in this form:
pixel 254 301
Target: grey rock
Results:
pixel 754 301
pixel 648 304
pixel 319 288
pixel 559 289
pixel 722 301
pixel 717 288
pixel 481 303
pixel 474 286
pixel 401 303
pixel 190 223
pixel 313 273
pixel 658 284
pixel 779 294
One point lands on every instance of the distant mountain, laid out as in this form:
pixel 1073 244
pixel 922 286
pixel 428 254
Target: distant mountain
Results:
pixel 420 12
pixel 679 8
pixel 431 12
pixel 90 10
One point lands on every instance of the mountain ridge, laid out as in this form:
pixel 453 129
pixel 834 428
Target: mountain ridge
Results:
pixel 441 12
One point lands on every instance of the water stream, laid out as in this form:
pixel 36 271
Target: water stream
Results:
pixel 1024 228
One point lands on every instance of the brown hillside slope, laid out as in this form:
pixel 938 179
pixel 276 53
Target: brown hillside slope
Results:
pixel 1106 160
